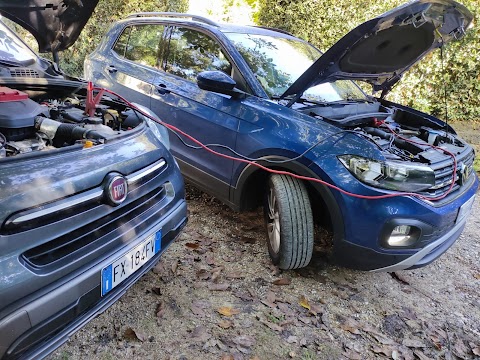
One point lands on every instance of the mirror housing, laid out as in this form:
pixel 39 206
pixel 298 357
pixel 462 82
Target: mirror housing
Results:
pixel 216 81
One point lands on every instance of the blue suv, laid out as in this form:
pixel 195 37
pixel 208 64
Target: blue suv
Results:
pixel 393 184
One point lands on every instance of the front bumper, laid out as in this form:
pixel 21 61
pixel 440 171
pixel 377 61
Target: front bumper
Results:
pixel 363 245
pixel 51 317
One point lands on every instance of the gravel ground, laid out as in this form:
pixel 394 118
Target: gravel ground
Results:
pixel 215 295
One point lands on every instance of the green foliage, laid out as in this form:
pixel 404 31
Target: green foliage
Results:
pixel 325 22
pixel 105 14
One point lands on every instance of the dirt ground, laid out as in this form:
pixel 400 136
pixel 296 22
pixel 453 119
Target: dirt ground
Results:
pixel 215 295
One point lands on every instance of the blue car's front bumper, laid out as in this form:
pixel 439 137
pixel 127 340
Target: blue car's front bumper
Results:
pixel 362 245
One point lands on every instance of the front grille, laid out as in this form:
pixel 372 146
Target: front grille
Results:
pixel 24 72
pixel 92 236
pixel 444 175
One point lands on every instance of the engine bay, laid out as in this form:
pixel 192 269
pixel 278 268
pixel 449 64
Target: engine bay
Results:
pixel 400 135
pixel 33 121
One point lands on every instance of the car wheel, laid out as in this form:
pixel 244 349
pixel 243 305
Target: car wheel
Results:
pixel 289 222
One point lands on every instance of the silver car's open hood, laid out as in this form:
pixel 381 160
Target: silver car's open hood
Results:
pixel 380 50
pixel 56 24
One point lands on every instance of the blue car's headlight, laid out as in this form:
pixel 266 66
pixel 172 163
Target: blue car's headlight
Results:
pixel 390 175
pixel 161 132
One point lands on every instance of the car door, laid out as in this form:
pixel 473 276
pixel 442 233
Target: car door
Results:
pixel 210 117
pixel 132 66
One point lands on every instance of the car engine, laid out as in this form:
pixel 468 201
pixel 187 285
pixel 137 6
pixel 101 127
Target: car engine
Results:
pixel 39 123
pixel 399 135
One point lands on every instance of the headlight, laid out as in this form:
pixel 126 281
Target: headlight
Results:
pixel 389 174
pixel 160 132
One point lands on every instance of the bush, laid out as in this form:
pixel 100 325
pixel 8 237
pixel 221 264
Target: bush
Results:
pixel 324 22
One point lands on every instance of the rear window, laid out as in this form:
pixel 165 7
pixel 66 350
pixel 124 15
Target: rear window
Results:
pixel 141 44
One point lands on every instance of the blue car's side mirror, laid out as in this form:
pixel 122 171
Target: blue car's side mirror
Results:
pixel 216 81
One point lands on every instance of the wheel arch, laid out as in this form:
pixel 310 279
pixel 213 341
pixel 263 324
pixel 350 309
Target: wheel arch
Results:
pixel 251 183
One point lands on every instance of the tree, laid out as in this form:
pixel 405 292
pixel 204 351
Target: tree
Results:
pixel 325 22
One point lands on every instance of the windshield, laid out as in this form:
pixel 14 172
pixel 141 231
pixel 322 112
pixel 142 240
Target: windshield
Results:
pixel 12 49
pixel 277 62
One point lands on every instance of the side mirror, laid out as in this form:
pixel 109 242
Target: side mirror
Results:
pixel 216 81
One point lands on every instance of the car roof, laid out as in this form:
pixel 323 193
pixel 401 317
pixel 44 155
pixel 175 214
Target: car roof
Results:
pixel 189 19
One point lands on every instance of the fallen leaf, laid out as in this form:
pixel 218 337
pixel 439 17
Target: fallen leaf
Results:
pixel 270 325
pixel 200 334
pixel 270 300
pixel 235 275
pixel 159 268
pixel 387 351
pixel 413 343
pixel 475 350
pixel 174 267
pixel 160 311
pixel 282 281
pixel 203 274
pixel 304 302
pixel 420 355
pixel 192 246
pixel 210 260
pixel 134 334
pixel 228 311
pixel 219 287
pixel 244 340
pixel 225 324
pixel 197 310
pixel 244 296
pixel 292 354
pixel 460 348
pixel 350 325
pixel 477 276
pixel 315 309
pixel 215 276
pixel 352 355
pixel 218 269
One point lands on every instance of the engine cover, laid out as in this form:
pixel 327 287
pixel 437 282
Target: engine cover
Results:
pixel 17 114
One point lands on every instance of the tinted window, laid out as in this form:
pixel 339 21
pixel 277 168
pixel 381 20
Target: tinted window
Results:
pixel 140 44
pixel 191 52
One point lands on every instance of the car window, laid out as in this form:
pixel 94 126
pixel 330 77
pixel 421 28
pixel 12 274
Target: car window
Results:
pixel 12 49
pixel 191 52
pixel 141 44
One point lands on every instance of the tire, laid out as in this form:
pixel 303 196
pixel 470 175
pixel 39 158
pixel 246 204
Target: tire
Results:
pixel 288 222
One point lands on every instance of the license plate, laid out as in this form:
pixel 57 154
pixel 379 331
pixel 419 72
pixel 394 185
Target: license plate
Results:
pixel 131 261
pixel 465 209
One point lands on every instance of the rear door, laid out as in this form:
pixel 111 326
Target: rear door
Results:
pixel 134 62
pixel 210 117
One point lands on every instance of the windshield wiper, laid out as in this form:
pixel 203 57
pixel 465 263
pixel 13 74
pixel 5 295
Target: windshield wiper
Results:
pixel 9 63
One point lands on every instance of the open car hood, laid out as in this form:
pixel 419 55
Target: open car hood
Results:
pixel 380 50
pixel 56 24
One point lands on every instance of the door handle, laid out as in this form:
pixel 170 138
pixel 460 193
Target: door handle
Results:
pixel 112 69
pixel 162 89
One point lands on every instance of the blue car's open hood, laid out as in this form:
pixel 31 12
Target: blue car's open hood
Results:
pixel 56 24
pixel 380 50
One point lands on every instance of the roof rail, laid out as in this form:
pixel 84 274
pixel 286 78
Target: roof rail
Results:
pixel 174 15
pixel 274 29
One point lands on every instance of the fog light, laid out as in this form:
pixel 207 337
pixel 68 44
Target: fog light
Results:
pixel 402 235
